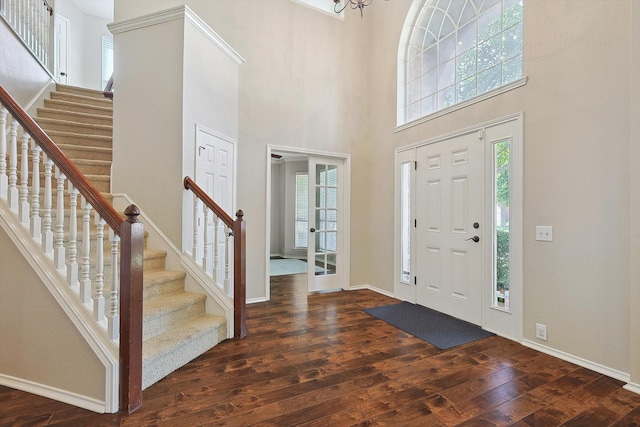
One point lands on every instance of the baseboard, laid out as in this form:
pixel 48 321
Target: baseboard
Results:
pixel 53 393
pixel 596 367
pixel 256 300
pixel 372 288
pixel 633 387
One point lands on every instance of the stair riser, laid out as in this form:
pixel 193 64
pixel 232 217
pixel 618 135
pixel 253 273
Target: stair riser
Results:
pixel 75 128
pixel 165 288
pixel 78 108
pixel 101 185
pixel 154 263
pixel 74 117
pixel 160 324
pixel 82 140
pixel 82 99
pixel 77 152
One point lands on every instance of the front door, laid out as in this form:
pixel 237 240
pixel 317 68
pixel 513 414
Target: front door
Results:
pixel 325 255
pixel 449 226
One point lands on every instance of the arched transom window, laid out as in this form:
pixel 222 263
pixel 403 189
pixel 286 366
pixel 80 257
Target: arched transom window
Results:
pixel 459 49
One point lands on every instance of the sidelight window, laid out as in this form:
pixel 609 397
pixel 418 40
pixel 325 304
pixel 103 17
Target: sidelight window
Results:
pixel 501 199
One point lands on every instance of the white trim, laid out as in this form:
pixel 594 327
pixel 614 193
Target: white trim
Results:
pixel 601 369
pixel 256 300
pixel 632 387
pixel 95 336
pixel 328 12
pixel 497 91
pixel 84 402
pixel 372 288
pixel 176 13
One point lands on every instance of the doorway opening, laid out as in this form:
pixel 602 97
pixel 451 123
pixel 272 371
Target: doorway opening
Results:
pixel 308 217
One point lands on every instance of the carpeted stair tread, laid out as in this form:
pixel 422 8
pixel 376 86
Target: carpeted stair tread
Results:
pixel 171 303
pixel 163 313
pixel 75 117
pixel 169 351
pixel 74 138
pixel 60 104
pixel 82 99
pixel 73 127
pixel 93 93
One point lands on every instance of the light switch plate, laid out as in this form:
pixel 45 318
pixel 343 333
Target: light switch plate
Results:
pixel 544 233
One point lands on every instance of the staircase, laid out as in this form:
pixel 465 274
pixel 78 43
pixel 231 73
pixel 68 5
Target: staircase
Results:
pixel 176 328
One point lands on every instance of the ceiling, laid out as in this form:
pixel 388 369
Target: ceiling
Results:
pixel 101 8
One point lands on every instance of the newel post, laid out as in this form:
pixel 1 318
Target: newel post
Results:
pixel 240 279
pixel 131 286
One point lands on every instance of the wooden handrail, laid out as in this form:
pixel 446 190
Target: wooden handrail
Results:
pixel 131 234
pixel 71 171
pixel 239 256
pixel 108 89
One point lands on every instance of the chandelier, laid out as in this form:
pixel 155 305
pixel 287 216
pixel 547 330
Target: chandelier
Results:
pixel 355 4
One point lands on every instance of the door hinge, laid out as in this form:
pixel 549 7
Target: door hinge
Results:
pixel 415 223
pixel 415 280
pixel 415 165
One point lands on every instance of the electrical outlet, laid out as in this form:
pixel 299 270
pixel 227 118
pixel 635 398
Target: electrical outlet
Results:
pixel 541 331
pixel 544 233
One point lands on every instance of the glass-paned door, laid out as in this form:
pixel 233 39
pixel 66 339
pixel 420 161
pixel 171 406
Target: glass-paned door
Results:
pixel 325 257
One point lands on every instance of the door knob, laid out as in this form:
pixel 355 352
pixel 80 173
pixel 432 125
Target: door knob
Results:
pixel 474 238
pixel 313 230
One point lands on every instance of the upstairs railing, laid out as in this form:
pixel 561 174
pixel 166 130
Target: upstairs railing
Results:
pixel 215 250
pixel 32 22
pixel 109 288
pixel 108 89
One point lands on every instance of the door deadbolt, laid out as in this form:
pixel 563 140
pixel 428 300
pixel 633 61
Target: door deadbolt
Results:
pixel 476 225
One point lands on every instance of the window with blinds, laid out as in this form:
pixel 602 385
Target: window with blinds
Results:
pixel 107 59
pixel 301 236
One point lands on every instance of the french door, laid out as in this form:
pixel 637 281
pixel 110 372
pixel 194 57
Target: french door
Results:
pixel 325 251
pixel 450 226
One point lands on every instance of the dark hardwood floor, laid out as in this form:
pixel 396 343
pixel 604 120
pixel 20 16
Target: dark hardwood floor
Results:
pixel 319 360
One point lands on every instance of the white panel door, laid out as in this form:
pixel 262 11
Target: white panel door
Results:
pixel 325 254
pixel 449 208
pixel 215 174
pixel 61 49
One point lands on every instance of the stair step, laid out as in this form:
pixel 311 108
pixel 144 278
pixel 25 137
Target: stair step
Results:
pixel 72 138
pixel 162 282
pixel 73 127
pixel 93 93
pixel 154 259
pixel 60 104
pixel 76 117
pixel 167 352
pixel 162 313
pixel 88 153
pixel 81 99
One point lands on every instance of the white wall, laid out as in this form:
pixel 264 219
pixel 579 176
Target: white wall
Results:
pixel 33 326
pixel 295 90
pixel 576 169
pixel 20 73
pixel 277 208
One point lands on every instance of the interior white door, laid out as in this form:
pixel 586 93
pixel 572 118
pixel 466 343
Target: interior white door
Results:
pixel 215 174
pixel 449 226
pixel 62 49
pixel 325 254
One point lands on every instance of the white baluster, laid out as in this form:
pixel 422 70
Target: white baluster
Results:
pixel 36 231
pixel 98 294
pixel 12 195
pixel 196 218
pixel 23 207
pixel 72 266
pixel 113 316
pixel 85 278
pixel 58 243
pixel 216 250
pixel 4 180
pixel 226 282
pixel 206 256
pixel 47 234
